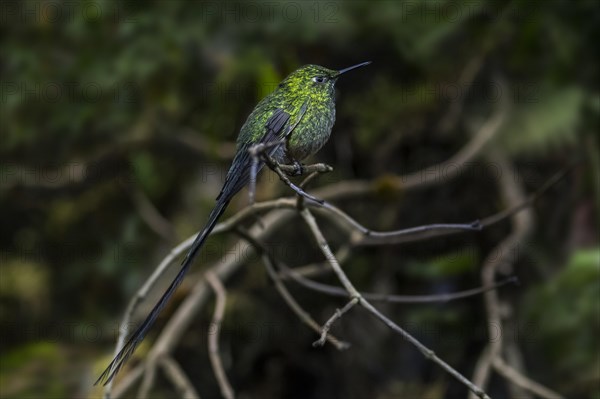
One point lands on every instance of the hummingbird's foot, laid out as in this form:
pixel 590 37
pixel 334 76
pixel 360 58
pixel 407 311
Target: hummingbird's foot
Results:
pixel 298 169
pixel 293 169
pixel 283 175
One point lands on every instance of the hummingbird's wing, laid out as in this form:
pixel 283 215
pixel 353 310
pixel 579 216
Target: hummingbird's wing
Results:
pixel 286 129
pixel 279 126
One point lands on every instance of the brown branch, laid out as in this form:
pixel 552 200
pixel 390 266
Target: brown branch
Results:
pixel 150 215
pixel 522 381
pixel 173 371
pixel 180 321
pixel 431 231
pixel 296 308
pixel 317 268
pixel 307 169
pixel 276 167
pixel 453 167
pixel 450 119
pixel 213 336
pixel 183 316
pixel 390 298
pixel 107 164
pixel 125 383
pixel 149 377
pixel 329 323
pixel 275 206
pixel 513 195
pixel 303 315
pixel 428 353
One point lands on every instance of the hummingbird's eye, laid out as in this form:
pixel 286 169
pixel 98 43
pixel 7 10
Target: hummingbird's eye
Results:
pixel 319 79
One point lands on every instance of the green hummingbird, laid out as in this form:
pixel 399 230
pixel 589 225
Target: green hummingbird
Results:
pixel 293 122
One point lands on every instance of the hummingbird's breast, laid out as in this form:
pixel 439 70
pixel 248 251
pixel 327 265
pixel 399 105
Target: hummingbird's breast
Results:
pixel 312 132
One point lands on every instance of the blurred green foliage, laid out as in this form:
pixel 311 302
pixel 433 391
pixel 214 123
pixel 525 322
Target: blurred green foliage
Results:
pixel 567 335
pixel 103 99
pixel 26 373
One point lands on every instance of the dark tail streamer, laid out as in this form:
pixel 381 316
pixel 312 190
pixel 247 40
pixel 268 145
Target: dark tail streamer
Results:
pixel 138 335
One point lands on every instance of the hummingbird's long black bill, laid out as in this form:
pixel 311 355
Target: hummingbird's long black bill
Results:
pixel 362 64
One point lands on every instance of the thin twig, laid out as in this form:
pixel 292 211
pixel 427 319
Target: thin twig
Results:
pixel 173 371
pixel 467 76
pixel 346 189
pixel 329 323
pixel 390 298
pixel 296 308
pixel 513 196
pixel 372 237
pixel 329 256
pixel 150 215
pixel 213 336
pixel 429 176
pixel 428 353
pixel 289 204
pixel 317 268
pixel 396 236
pixel 149 376
pixel 531 199
pixel 275 167
pixel 180 249
pixel 178 324
pixel 316 168
pixel 126 382
pixel 522 381
pixel 303 315
pixel 512 193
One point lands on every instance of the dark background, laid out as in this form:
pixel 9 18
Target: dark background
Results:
pixel 114 110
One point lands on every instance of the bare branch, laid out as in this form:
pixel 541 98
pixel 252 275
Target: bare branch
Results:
pixel 341 190
pixel 313 169
pixel 338 314
pixel 329 256
pixel 428 353
pixel 296 308
pixel 330 211
pixel 303 315
pixel 437 298
pixel 453 167
pixel 531 199
pixel 317 268
pixel 150 215
pixel 275 167
pixel 213 336
pixel 449 120
pixel 522 381
pixel 224 268
pixel 125 383
pixel 512 194
pixel 183 385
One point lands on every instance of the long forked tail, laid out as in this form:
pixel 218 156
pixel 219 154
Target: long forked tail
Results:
pixel 138 335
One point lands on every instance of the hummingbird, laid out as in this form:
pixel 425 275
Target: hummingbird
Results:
pixel 293 122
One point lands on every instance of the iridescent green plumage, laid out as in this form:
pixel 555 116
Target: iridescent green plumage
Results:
pixel 297 90
pixel 296 121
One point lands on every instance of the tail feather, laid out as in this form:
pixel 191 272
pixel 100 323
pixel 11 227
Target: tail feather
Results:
pixel 139 334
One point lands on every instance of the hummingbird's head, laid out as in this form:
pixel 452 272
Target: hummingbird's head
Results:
pixel 314 80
